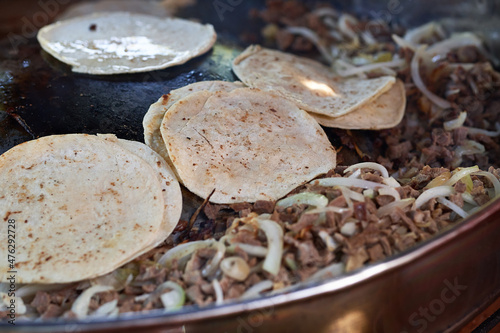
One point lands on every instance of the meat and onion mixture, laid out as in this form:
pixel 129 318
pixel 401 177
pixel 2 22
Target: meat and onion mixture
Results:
pixel 391 189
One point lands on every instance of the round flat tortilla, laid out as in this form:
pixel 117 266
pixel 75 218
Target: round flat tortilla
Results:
pixel 385 112
pixel 149 7
pixel 121 42
pixel 153 118
pixel 246 144
pixel 82 207
pixel 307 83
pixel 171 189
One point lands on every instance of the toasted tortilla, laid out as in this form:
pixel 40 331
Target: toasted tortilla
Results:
pixel 245 144
pixel 149 7
pixel 121 42
pixel 307 83
pixel 171 189
pixel 153 118
pixel 82 207
pixel 385 112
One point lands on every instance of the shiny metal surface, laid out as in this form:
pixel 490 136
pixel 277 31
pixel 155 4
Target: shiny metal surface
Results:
pixel 435 287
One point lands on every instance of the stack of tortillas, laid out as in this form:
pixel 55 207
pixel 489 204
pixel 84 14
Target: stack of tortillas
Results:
pixel 334 102
pixel 83 205
pixel 121 42
pixel 241 144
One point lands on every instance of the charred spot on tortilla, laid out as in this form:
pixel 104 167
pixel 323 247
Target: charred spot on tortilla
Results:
pixel 125 42
pixel 232 142
pixel 92 205
pixel 307 83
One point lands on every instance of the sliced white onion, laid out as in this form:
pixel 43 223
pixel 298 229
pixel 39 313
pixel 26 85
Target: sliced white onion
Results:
pixel 19 303
pixel 331 271
pixel 460 173
pixel 211 267
pixel 326 209
pixel 186 249
pixel 402 43
pixel 456 41
pixel 493 180
pixel 308 198
pixel 369 193
pixel 253 250
pixel 391 182
pixel 355 174
pixel 348 229
pixel 175 298
pixel 31 289
pixel 219 295
pixel 473 130
pixel 340 181
pixel 81 304
pixel 419 83
pixel 389 191
pixel 455 123
pixel 330 243
pixel 313 38
pixel 109 309
pixel 142 297
pixel 256 289
pixel 274 235
pixel 369 165
pixel 469 147
pixel 415 35
pixel 344 27
pixel 352 194
pixel 468 198
pixel 368 38
pixel 342 66
pixel 438 191
pixel 370 67
pixel 453 207
pixel 390 207
pixel 235 267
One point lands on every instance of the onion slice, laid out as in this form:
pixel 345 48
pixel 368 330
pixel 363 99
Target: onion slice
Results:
pixel 219 295
pixel 253 250
pixel 453 207
pixel 308 198
pixel 340 181
pixel 455 123
pixel 330 243
pixel 438 191
pixel 331 271
pixel 370 67
pixel 419 83
pixel 369 165
pixel 256 289
pixel 81 304
pixel 109 309
pixel 390 191
pixel 386 209
pixel 493 180
pixel 313 38
pixel 235 267
pixel 461 173
pixel 473 130
pixel 173 299
pixel 183 250
pixel 274 235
